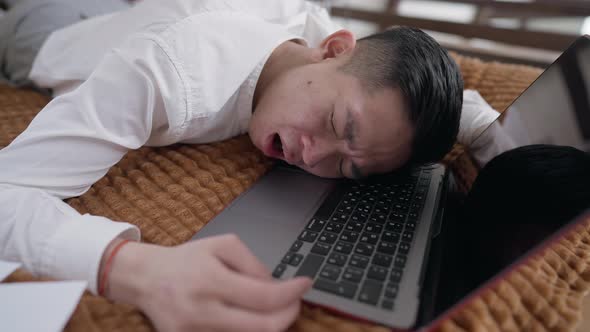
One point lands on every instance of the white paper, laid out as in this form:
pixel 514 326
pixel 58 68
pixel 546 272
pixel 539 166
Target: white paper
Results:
pixel 6 268
pixel 38 306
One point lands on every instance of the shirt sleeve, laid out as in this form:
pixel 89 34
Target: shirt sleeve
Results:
pixel 71 144
pixel 479 129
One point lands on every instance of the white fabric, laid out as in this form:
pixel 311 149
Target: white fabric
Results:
pixel 159 73
pixel 479 129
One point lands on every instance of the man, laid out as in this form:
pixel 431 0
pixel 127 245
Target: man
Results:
pixel 173 71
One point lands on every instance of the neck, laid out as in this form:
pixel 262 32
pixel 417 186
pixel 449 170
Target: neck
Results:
pixel 286 56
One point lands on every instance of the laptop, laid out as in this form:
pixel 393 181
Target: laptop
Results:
pixel 373 247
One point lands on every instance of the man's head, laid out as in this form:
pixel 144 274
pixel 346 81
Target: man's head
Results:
pixel 353 108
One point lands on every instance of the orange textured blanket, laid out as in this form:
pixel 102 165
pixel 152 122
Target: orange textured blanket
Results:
pixel 170 193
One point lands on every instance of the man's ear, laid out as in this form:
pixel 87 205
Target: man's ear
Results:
pixel 339 43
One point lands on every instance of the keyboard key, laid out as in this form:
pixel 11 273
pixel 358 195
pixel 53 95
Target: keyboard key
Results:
pixel 370 292
pixel 334 227
pixel 353 275
pixel 373 228
pixel 296 246
pixel 382 260
pixel 328 237
pixel 343 247
pixel 399 261
pixel 321 248
pixel 340 218
pixel 311 265
pixel 381 210
pixel 349 236
pixel 296 259
pixel 410 225
pixel 370 238
pixel 330 272
pixel 358 216
pixel 365 209
pixel 308 236
pixel 403 202
pixel 347 202
pixel 390 236
pixel 359 261
pixel 364 249
pixel 354 227
pixel 337 259
pixel 378 218
pixel 287 258
pixel 344 289
pixel 395 276
pixel 401 206
pixel 279 270
pixel 407 236
pixel 387 304
pixel 391 290
pixel 345 209
pixel 404 248
pixel 396 216
pixel 386 248
pixel 377 272
pixel 316 225
pixel 394 226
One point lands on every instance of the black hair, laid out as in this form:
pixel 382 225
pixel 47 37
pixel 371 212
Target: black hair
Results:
pixel 429 79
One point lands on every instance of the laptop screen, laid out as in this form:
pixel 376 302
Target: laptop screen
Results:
pixel 535 181
pixel 555 109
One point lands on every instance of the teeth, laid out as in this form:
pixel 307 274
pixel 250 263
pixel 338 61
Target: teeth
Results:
pixel 276 143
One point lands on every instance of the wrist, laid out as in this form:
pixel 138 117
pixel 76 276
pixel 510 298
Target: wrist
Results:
pixel 123 278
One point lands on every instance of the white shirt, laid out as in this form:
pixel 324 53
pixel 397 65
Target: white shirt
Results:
pixel 159 73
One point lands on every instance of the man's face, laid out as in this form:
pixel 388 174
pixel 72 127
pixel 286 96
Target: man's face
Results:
pixel 326 122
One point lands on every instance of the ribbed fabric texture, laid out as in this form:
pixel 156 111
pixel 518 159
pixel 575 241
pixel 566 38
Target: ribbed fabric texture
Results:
pixel 170 193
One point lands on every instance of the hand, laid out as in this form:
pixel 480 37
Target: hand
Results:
pixel 214 284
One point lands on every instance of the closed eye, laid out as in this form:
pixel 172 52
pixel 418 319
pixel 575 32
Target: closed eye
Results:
pixel 333 126
pixel 336 134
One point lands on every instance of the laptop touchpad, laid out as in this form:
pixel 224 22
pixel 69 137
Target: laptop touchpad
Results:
pixel 269 216
pixel 282 194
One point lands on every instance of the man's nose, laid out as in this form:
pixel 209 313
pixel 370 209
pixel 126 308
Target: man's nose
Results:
pixel 315 150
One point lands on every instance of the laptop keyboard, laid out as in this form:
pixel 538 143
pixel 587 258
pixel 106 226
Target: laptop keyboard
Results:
pixel 361 237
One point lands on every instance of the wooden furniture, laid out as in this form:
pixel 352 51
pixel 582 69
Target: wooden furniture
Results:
pixel 481 26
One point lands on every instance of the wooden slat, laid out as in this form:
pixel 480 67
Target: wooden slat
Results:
pixel 547 7
pixel 545 40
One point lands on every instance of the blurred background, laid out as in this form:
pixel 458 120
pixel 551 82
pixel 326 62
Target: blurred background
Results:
pixel 532 32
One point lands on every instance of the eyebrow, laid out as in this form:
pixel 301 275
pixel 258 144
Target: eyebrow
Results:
pixel 350 128
pixel 350 134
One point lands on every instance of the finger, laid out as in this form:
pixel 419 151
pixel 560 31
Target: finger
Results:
pixel 262 295
pixel 234 253
pixel 237 319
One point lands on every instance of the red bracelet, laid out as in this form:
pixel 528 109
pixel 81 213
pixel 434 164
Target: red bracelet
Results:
pixel 107 267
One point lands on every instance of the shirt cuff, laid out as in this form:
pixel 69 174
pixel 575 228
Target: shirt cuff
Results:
pixel 476 116
pixel 75 250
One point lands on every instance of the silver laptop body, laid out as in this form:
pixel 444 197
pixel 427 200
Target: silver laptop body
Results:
pixel 279 215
